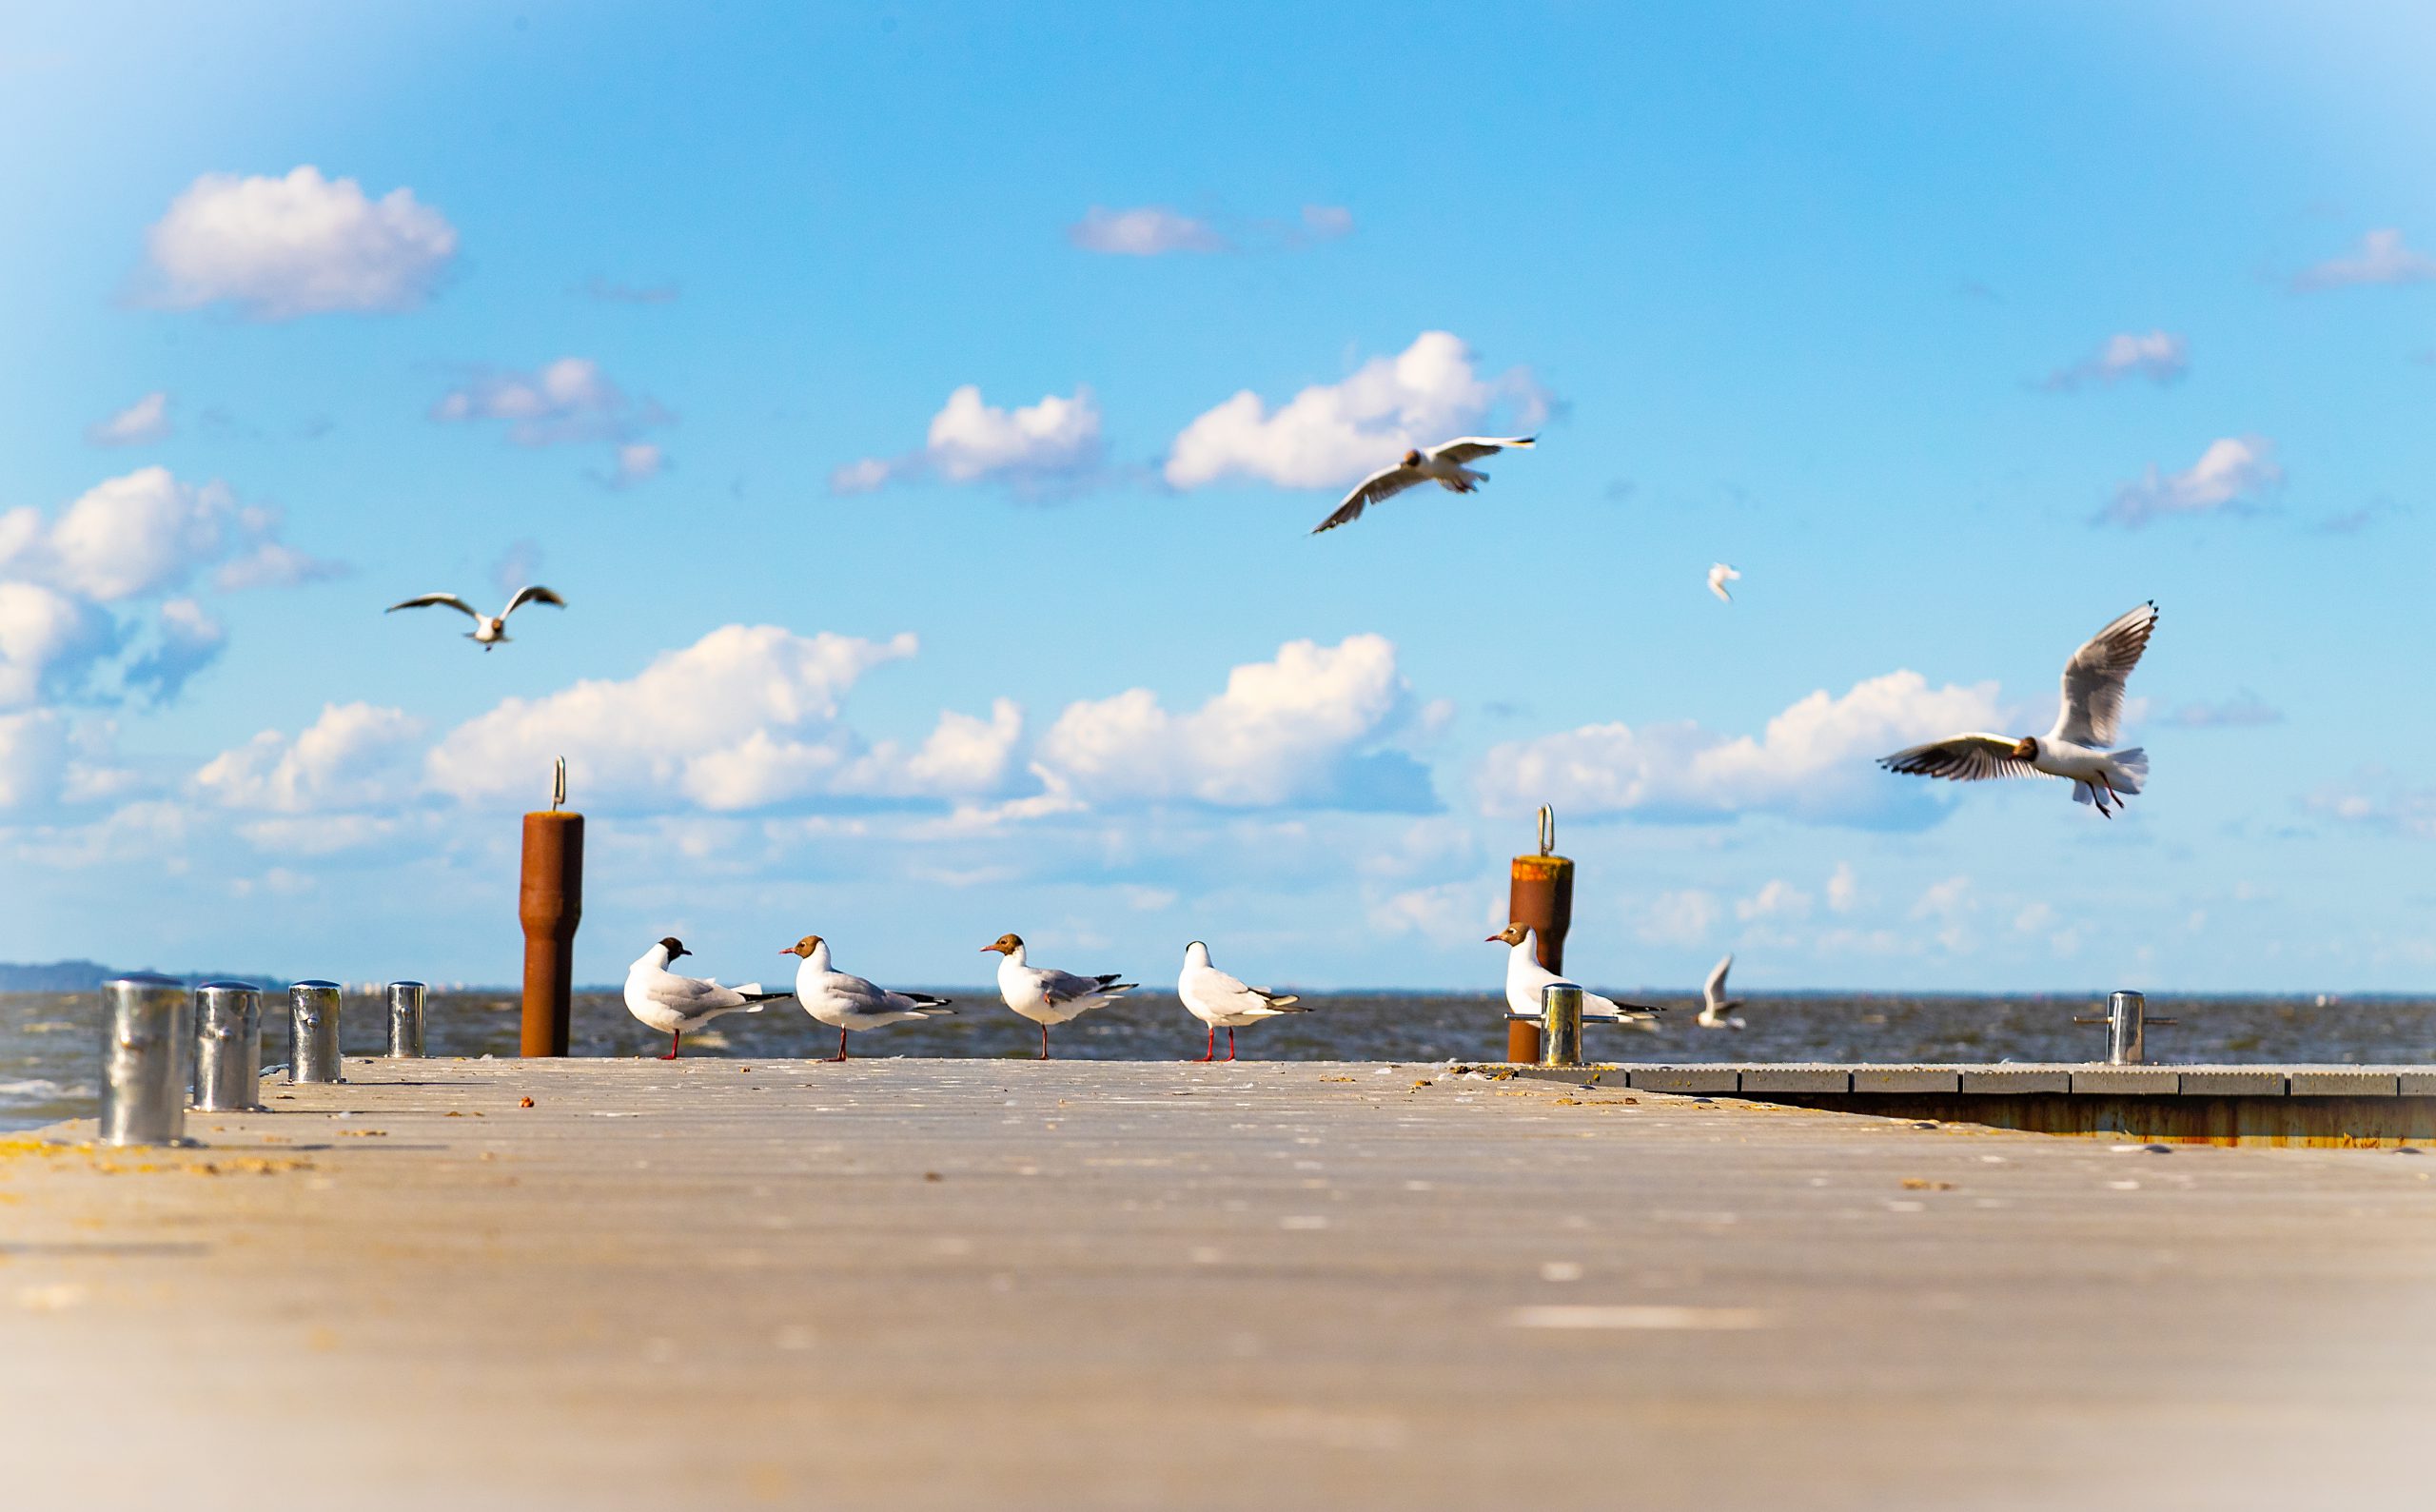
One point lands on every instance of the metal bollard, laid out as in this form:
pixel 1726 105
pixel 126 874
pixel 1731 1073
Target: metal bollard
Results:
pixel 405 1020
pixel 148 1059
pixel 227 1047
pixel 549 903
pixel 313 1032
pixel 2127 1021
pixel 1539 893
pixel 1560 1025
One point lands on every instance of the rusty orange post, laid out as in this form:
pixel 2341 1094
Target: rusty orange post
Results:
pixel 1540 894
pixel 550 903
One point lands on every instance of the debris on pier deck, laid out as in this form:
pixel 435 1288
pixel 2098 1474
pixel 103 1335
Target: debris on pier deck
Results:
pixel 1013 1284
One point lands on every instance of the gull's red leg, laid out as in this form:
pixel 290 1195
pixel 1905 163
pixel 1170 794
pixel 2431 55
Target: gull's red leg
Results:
pixel 1044 1042
pixel 1214 1043
pixel 841 1046
pixel 1230 1044
pixel 675 1036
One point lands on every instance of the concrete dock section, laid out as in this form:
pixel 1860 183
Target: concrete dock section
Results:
pixel 1010 1284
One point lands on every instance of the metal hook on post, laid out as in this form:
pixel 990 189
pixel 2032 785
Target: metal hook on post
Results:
pixel 1547 830
pixel 558 785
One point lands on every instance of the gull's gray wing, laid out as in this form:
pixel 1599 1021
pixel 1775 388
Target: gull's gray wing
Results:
pixel 2094 679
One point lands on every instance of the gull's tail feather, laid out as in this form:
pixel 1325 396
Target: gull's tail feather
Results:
pixel 753 993
pixel 2131 770
pixel 1283 1002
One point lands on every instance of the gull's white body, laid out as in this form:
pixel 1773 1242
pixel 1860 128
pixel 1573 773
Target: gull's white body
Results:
pixel 2086 724
pixel 1719 574
pixel 1441 464
pixel 1046 995
pixel 673 1003
pixel 1222 1001
pixel 1525 977
pixel 1716 1010
pixel 489 629
pixel 849 1002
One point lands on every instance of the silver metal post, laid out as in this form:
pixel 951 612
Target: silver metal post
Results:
pixel 2127 1015
pixel 227 1046
pixel 148 1059
pixel 1560 1025
pixel 405 1020
pixel 313 1032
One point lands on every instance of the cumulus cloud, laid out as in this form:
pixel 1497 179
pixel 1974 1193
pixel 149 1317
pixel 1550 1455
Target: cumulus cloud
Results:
pixel 746 718
pixel 1333 433
pixel 1306 728
pixel 1149 231
pixel 569 401
pixel 2379 799
pixel 2381 258
pixel 303 244
pixel 147 419
pixel 2233 473
pixel 1035 448
pixel 1843 889
pixel 186 639
pixel 68 585
pixel 2159 356
pixel 354 755
pixel 1776 898
pixel 33 754
pixel 1813 761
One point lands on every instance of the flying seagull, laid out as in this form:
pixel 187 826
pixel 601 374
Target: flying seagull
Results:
pixel 1046 995
pixel 2077 748
pixel 845 1002
pixel 1719 574
pixel 1225 1002
pixel 1441 464
pixel 1526 978
pixel 489 629
pixel 664 1000
pixel 1716 1010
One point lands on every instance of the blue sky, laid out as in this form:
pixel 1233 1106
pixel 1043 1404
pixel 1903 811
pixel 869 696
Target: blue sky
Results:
pixel 923 408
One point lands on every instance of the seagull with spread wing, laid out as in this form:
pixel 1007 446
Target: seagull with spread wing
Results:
pixel 1716 1010
pixel 489 629
pixel 1441 464
pixel 2077 748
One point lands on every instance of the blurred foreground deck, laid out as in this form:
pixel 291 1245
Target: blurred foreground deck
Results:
pixel 1006 1283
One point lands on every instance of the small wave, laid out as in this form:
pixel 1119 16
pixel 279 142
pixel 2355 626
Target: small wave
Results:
pixel 37 1090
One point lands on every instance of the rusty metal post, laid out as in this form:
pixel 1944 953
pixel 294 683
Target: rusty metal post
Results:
pixel 550 903
pixel 1540 894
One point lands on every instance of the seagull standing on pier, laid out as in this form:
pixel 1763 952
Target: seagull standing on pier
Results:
pixel 1716 1010
pixel 1441 464
pixel 673 1003
pixel 1525 977
pixel 2077 748
pixel 1224 1002
pixel 849 1002
pixel 489 629
pixel 1046 995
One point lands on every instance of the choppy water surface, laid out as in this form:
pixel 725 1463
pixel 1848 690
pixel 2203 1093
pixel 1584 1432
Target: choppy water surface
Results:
pixel 50 1043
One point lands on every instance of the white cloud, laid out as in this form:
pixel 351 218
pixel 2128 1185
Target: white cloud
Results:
pixel 1776 898
pixel 2378 799
pixel 147 419
pixel 1299 729
pixel 354 755
pixel 1813 762
pixel 2381 258
pixel 1949 899
pixel 1681 917
pixel 1448 913
pixel 1843 889
pixel 1039 447
pixel 33 753
pixel 186 641
pixel 1149 231
pixel 569 401
pixel 280 248
pixel 48 639
pixel 2037 917
pixel 2159 356
pixel 1332 433
pixel 2234 471
pixel 745 718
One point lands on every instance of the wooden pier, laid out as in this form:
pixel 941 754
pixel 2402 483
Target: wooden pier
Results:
pixel 1008 1284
